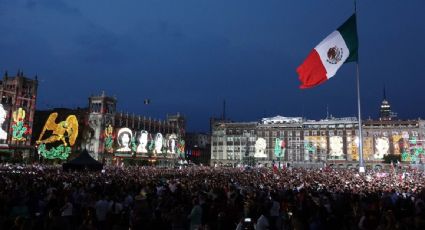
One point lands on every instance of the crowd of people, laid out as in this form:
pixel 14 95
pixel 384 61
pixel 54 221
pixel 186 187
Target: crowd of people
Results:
pixel 46 197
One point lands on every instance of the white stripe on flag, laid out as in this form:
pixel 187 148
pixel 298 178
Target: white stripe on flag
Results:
pixel 333 40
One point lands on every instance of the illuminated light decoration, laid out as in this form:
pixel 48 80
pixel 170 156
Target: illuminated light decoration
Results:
pixel 109 139
pixel 260 147
pixel 405 156
pixel 133 145
pixel 151 146
pixel 61 152
pixel 3 113
pixel 405 146
pixel 125 140
pixel 419 151
pixel 158 143
pixel 180 147
pixel 19 128
pixel 415 152
pixel 336 146
pixel 70 126
pixel 320 146
pixel 172 143
pixel 396 144
pixel 61 132
pixel 279 147
pixel 368 148
pixel 382 146
pixel 195 153
pixel 165 149
pixel 143 141
pixel 319 142
pixel 353 147
pixel 309 147
pixel 413 141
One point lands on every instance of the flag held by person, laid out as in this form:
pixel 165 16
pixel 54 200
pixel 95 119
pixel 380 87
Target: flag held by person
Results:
pixel 328 56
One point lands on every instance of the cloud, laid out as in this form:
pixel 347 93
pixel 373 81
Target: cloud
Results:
pixel 96 45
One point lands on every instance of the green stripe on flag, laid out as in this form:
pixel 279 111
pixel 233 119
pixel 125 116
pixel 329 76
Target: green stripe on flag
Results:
pixel 348 31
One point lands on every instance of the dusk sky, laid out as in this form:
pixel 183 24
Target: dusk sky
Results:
pixel 188 56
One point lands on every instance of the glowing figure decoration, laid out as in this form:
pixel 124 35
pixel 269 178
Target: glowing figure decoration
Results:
pixel 158 143
pixel 69 126
pixel 172 143
pixel 353 147
pixel 19 128
pixel 368 148
pixel 109 139
pixel 414 151
pixel 336 144
pixel 382 146
pixel 3 113
pixel 151 144
pixel 63 131
pixel 143 141
pixel 180 147
pixel 397 141
pixel 279 146
pixel 125 136
pixel 260 147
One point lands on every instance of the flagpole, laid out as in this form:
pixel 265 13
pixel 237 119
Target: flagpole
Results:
pixel 361 160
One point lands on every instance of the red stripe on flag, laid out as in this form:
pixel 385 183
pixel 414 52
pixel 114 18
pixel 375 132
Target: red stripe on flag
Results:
pixel 311 72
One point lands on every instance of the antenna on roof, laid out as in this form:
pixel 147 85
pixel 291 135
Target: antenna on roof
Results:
pixel 327 111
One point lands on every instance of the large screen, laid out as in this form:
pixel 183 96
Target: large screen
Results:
pixel 260 148
pixel 336 147
pixel 125 140
pixel 352 147
pixel 382 147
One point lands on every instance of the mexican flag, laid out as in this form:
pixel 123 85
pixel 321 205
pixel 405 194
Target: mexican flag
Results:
pixel 325 59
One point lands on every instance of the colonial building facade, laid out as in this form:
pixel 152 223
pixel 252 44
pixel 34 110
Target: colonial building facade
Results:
pixel 105 136
pixel 296 140
pixel 18 100
pixel 198 148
